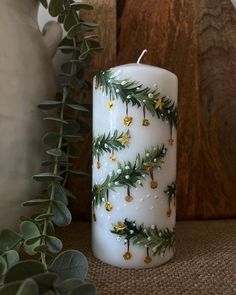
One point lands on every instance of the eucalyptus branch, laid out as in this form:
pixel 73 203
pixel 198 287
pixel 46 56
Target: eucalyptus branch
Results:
pixel 37 234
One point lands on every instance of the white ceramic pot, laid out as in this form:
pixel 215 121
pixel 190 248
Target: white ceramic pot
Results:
pixel 26 78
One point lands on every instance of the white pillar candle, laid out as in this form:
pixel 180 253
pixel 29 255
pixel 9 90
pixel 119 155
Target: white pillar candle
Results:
pixel 134 165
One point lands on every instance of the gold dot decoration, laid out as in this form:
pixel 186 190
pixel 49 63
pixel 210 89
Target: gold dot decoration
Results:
pixel 168 212
pixel 146 122
pixel 98 165
pixel 153 184
pixel 128 120
pixel 128 198
pixel 108 206
pixel 127 255
pixel 110 105
pixel 147 259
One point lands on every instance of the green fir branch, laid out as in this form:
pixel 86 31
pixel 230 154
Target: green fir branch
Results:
pixel 110 142
pixel 135 93
pixel 129 174
pixel 158 240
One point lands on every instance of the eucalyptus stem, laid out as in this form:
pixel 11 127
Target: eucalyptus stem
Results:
pixel 55 171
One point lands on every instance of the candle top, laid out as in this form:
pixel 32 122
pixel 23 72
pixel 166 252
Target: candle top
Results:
pixel 139 66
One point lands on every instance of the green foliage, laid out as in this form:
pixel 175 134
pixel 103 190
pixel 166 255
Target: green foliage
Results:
pixel 110 142
pixel 134 93
pixel 63 274
pixel 158 240
pixel 170 191
pixel 130 174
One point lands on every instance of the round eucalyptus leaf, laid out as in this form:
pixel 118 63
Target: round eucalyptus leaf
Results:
pixel 35 202
pixel 43 217
pixel 8 239
pixel 51 138
pixel 12 257
pixel 85 289
pixel 70 264
pixel 29 230
pixel 49 104
pixel 31 234
pixel 62 215
pixel 54 244
pixel 68 285
pixel 10 289
pixel 56 7
pixel 32 241
pixel 47 177
pixel 28 287
pixel 45 281
pixel 23 270
pixel 3 266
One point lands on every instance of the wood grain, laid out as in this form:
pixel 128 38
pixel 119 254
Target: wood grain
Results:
pixel 216 171
pixel 197 41
pixel 167 30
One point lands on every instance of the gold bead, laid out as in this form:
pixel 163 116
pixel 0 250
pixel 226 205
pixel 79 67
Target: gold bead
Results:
pixel 127 255
pixel 108 206
pixel 128 120
pixel 153 184
pixel 128 199
pixel 110 105
pixel 146 122
pixel 147 259
pixel 98 165
pixel 168 212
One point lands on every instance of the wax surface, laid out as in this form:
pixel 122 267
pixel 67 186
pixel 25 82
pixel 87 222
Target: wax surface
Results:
pixel 149 206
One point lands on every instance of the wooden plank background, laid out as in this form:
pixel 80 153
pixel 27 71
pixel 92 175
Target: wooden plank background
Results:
pixel 197 41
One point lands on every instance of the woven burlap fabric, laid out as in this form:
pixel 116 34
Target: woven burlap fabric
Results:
pixel 205 262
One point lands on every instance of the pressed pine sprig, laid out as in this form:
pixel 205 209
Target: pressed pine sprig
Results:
pixel 170 192
pixel 157 240
pixel 129 175
pixel 136 94
pixel 108 143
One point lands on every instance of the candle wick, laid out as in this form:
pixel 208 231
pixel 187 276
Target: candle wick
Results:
pixel 141 56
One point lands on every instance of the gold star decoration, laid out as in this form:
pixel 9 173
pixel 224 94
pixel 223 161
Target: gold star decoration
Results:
pixel 112 158
pixel 98 189
pixel 146 122
pixel 127 255
pixel 171 141
pixel 159 103
pixel 128 120
pixel 110 105
pixel 119 227
pixel 124 140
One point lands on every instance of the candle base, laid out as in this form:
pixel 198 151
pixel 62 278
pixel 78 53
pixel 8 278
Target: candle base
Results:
pixel 117 254
pixel 133 264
